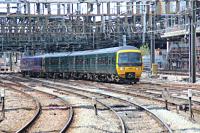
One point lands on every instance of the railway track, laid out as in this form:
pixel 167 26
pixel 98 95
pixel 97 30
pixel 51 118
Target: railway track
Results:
pixel 149 90
pixel 123 108
pixel 177 73
pixel 89 97
pixel 153 92
pixel 132 105
pixel 129 92
pixel 44 110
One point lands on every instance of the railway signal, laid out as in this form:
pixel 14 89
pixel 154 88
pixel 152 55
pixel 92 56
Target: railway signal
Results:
pixel 190 103
pixel 166 96
pixel 94 101
pixel 3 101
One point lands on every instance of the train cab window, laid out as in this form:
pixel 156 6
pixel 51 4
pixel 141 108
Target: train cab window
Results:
pixel 130 59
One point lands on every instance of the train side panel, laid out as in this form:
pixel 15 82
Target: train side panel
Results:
pixel 79 63
pixel 64 64
pixel 105 65
pixel 53 66
pixel 26 65
pixel 87 63
pixel 37 65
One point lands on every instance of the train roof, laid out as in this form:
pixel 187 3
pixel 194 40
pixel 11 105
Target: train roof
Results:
pixel 55 54
pixel 87 52
pixel 102 51
pixel 47 55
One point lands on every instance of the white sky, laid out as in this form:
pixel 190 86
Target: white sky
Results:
pixel 83 8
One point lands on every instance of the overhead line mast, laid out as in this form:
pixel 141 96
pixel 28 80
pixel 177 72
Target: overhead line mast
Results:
pixel 192 41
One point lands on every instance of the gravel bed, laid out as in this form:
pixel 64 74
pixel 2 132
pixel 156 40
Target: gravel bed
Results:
pixel 19 109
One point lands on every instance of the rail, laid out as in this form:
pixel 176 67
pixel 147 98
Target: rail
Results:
pixel 70 118
pixel 28 124
pixel 121 121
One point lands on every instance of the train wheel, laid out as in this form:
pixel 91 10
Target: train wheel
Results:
pixel 117 79
pixel 102 78
pixel 96 77
pixel 108 78
pixel 136 80
pixel 88 76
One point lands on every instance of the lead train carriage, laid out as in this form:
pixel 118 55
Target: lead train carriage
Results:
pixel 110 64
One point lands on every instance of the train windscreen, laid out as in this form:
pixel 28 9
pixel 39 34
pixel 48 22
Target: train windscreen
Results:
pixel 130 59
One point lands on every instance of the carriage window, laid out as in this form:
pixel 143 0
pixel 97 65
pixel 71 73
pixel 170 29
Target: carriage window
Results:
pixel 102 60
pixel 113 60
pixel 106 60
pixel 88 61
pixel 99 60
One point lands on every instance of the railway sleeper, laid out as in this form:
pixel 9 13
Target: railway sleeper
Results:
pixel 23 108
pixel 186 79
pixel 90 107
pixel 125 109
pixel 55 108
pixel 164 77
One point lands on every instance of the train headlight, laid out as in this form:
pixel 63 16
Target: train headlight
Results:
pixel 122 68
pixel 137 68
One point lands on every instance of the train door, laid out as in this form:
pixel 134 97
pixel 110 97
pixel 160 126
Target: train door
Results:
pixel 59 64
pixel 73 64
pixel 92 63
pixel 84 61
pixel 66 64
pixel 87 63
pixel 96 63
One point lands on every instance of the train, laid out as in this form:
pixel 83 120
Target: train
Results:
pixel 116 64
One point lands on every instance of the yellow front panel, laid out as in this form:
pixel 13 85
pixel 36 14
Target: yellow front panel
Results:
pixel 122 70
